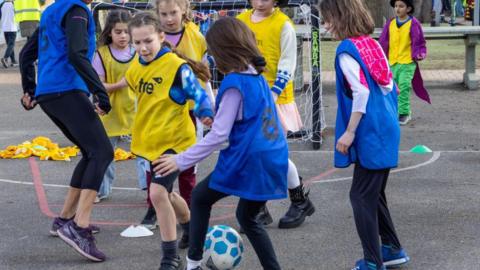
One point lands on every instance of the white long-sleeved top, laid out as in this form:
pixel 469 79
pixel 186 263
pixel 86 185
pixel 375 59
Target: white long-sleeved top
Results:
pixel 358 83
pixel 288 57
pixel 8 17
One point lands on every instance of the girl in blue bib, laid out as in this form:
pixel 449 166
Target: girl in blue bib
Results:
pixel 254 165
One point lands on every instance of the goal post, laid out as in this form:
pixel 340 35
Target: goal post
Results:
pixel 307 78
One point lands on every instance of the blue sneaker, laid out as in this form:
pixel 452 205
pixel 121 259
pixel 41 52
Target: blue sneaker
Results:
pixel 366 265
pixel 393 259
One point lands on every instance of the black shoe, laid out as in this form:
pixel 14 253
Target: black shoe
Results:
pixel 150 219
pixel 183 242
pixel 4 62
pixel 171 263
pixel 264 216
pixel 300 208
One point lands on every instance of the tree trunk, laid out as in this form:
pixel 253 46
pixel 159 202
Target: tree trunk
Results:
pixel 423 10
pixel 381 11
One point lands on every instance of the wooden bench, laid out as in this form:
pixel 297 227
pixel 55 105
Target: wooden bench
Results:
pixel 470 34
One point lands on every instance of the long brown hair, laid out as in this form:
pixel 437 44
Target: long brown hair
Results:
pixel 147 18
pixel 348 18
pixel 233 46
pixel 184 6
pixel 113 17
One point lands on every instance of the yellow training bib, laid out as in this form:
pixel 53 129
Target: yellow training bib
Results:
pixel 400 50
pixel 120 119
pixel 160 123
pixel 268 34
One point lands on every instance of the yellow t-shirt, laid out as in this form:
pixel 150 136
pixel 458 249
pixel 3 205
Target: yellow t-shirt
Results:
pixel 268 34
pixel 160 123
pixel 400 50
pixel 119 120
pixel 192 44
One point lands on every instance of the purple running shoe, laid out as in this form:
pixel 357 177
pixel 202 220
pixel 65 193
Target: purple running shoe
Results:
pixel 58 222
pixel 81 240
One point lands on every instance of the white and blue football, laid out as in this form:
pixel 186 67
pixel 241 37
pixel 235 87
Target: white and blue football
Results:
pixel 223 248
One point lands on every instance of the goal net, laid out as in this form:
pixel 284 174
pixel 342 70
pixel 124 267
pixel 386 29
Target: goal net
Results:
pixel 307 79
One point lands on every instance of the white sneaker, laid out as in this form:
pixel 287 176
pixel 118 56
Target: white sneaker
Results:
pixel 99 198
pixel 404 119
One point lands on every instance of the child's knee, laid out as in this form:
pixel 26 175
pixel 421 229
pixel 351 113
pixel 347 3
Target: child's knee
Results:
pixel 158 194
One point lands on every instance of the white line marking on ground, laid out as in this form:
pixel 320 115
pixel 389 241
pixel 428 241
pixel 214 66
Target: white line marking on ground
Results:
pixel 435 157
pixel 401 152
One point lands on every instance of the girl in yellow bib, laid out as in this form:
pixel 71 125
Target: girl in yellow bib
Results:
pixel 176 20
pixel 162 83
pixel 277 42
pixel 111 61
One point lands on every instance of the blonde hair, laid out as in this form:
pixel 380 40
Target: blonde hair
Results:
pixel 348 18
pixel 183 4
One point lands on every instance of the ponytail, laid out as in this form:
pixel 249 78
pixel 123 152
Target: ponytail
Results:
pixel 200 69
pixel 259 63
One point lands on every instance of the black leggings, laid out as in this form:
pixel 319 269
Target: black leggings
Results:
pixel 203 198
pixel 73 113
pixel 370 211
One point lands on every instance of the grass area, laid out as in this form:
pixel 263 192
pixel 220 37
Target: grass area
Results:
pixel 442 54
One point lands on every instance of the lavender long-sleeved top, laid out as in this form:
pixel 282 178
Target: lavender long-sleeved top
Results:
pixel 229 110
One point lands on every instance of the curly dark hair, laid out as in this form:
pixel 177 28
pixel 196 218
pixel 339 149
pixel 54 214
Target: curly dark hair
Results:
pixel 409 3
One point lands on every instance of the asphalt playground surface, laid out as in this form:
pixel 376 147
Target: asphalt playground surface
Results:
pixel 434 198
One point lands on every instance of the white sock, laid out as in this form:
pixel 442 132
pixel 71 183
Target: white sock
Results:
pixel 293 180
pixel 191 264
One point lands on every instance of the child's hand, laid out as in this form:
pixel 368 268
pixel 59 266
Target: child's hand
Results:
pixel 420 57
pixel 98 110
pixel 28 102
pixel 207 121
pixel 345 142
pixel 165 165
pixel 275 96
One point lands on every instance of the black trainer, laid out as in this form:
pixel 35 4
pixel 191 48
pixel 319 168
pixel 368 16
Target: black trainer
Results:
pixel 183 242
pixel 150 219
pixel 264 216
pixel 171 263
pixel 300 208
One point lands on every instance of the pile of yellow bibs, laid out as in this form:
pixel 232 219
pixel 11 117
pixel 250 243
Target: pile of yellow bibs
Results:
pixel 121 154
pixel 45 149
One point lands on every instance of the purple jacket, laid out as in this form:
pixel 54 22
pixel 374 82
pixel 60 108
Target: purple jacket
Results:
pixel 419 49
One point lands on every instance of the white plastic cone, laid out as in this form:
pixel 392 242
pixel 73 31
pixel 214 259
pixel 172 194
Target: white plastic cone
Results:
pixel 136 231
